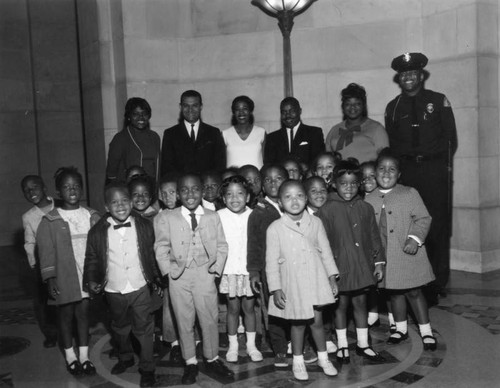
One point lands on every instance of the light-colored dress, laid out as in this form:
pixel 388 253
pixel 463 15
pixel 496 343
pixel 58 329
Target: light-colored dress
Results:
pixel 235 279
pixel 366 143
pixel 79 226
pixel 249 151
pixel 299 262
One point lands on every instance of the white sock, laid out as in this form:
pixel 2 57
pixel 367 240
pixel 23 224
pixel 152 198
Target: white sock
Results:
pixel 341 338
pixel 372 318
pixel 402 326
pixel 322 356
pixel 84 353
pixel 233 342
pixel 70 355
pixel 192 361
pixel 251 340
pixel 299 358
pixel 175 343
pixel 426 329
pixel 362 336
pixel 197 342
pixel 213 359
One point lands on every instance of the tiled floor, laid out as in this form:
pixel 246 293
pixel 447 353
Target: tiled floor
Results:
pixel 467 325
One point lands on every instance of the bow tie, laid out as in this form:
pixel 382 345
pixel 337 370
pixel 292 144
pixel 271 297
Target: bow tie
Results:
pixel 125 225
pixel 346 136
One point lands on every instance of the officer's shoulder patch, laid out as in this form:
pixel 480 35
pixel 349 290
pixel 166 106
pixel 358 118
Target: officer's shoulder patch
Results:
pixel 446 103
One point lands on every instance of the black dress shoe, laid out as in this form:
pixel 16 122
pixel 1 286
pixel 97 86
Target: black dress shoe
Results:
pixel 75 368
pixel 430 345
pixel 397 337
pixel 176 354
pixel 217 367
pixel 148 379
pixel 190 373
pixel 362 352
pixel 88 368
pixel 343 356
pixel 121 366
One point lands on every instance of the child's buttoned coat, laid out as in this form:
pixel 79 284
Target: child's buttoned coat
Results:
pixel 406 215
pixel 299 261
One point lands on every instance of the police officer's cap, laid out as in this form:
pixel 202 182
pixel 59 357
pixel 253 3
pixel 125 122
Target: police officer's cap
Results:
pixel 409 61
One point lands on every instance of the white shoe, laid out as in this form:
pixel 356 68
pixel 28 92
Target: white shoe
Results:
pixel 289 348
pixel 328 368
pixel 330 347
pixel 232 355
pixel 255 355
pixel 300 371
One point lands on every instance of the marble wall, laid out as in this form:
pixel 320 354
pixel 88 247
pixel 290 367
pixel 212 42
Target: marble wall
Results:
pixel 156 49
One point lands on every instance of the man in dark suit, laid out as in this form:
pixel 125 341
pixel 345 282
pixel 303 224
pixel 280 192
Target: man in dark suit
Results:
pixel 294 138
pixel 192 145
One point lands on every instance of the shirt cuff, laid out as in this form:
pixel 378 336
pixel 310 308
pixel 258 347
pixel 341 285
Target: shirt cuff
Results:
pixel 419 242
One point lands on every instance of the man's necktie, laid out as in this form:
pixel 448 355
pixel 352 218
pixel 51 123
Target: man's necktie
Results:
pixel 125 225
pixel 194 223
pixel 291 139
pixel 193 137
pixel 346 136
pixel 415 126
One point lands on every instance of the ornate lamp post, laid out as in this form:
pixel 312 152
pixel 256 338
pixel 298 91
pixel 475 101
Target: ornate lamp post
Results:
pixel 285 11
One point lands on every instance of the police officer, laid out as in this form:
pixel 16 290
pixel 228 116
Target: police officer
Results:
pixel 422 132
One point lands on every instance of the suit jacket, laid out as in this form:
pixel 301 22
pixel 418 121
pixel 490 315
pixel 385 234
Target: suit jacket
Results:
pixel 179 154
pixel 173 238
pixel 307 143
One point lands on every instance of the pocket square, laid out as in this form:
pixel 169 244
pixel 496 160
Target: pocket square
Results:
pixel 303 143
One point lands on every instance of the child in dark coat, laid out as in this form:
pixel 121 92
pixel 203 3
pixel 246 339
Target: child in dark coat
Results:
pixel 120 261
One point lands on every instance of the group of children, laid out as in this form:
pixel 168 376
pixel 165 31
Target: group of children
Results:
pixel 306 244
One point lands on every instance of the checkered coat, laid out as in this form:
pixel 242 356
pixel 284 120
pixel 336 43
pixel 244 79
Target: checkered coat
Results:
pixel 406 215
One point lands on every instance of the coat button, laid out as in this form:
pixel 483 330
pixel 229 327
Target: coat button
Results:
pixel 357 244
pixel 392 230
pixel 389 212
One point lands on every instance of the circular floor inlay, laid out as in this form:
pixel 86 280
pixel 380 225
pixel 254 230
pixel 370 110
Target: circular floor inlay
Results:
pixel 404 364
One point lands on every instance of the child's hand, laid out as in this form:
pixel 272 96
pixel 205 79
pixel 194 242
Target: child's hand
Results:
pixel 333 284
pixel 53 288
pixel 255 283
pixel 411 246
pixel 379 272
pixel 95 287
pixel 279 299
pixel 158 290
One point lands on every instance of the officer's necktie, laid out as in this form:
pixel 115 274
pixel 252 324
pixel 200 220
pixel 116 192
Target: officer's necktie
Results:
pixel 415 133
pixel 194 223
pixel 382 225
pixel 193 138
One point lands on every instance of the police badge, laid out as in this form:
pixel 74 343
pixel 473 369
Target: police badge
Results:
pixel 430 107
